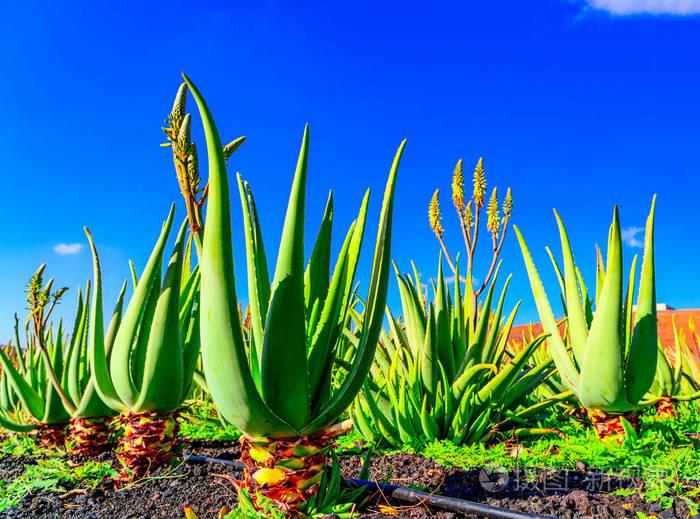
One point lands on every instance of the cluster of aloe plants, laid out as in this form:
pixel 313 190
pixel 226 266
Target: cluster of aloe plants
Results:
pixel 310 355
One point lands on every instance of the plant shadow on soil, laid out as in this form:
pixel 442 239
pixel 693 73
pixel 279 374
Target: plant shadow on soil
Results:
pixel 205 488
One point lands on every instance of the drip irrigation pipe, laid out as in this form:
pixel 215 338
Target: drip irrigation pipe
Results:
pixel 408 495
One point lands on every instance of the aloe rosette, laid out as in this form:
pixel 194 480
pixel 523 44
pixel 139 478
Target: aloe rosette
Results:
pixel 436 377
pixel 31 402
pixel 88 432
pixel 611 362
pixel 673 383
pixel 278 390
pixel 147 373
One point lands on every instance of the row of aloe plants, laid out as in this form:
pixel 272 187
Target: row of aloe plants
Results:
pixel 312 356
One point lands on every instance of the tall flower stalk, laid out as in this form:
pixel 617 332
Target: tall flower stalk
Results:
pixel 178 131
pixel 470 214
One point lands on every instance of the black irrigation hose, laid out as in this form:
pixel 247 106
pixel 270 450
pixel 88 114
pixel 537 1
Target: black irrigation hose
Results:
pixel 409 495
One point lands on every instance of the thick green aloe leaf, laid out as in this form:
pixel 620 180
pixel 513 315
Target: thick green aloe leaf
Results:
pixel 258 275
pixel 115 321
pixel 629 297
pixel 602 382
pixel 99 355
pixel 134 274
pixel 460 332
pixel 90 405
pixel 54 410
pixel 328 328
pixel 10 425
pixel 429 356
pixel 442 331
pixel 354 253
pixel 490 350
pixel 140 344
pixel 190 350
pixel 576 315
pixel 413 311
pixel 284 376
pixel 641 360
pixel 374 311
pixel 76 351
pixel 477 342
pixel 566 367
pixel 163 370
pixel 664 380
pixel 188 295
pixel 317 274
pixel 224 356
pixel 496 387
pixel 120 365
pixel 79 315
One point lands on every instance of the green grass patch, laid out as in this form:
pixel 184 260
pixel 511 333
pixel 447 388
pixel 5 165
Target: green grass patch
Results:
pixel 200 421
pixel 24 446
pixel 53 474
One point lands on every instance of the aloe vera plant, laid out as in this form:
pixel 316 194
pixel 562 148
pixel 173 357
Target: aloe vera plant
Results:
pixel 88 432
pixel 553 385
pixel 673 383
pixel 32 402
pixel 612 362
pixel 278 391
pixel 689 345
pixel 8 397
pixel 437 378
pixel 148 371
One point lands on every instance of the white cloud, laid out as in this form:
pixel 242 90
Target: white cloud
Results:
pixel 629 236
pixel 631 7
pixel 67 249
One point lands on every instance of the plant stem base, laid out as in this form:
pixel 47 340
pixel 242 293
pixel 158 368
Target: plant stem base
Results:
pixel 49 436
pixel 88 437
pixel 147 443
pixel 609 427
pixel 286 471
pixel 665 408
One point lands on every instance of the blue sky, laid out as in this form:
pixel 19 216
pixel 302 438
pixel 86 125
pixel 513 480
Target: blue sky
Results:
pixel 574 105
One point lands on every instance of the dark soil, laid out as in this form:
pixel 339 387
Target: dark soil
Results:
pixel 574 494
pixel 160 497
pixel 566 494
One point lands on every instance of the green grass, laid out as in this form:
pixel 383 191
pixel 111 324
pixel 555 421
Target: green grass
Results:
pixel 661 454
pixel 23 445
pixel 52 474
pixel 200 421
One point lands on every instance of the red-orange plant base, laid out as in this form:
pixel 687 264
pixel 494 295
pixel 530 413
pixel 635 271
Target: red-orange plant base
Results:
pixel 147 443
pixel 88 436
